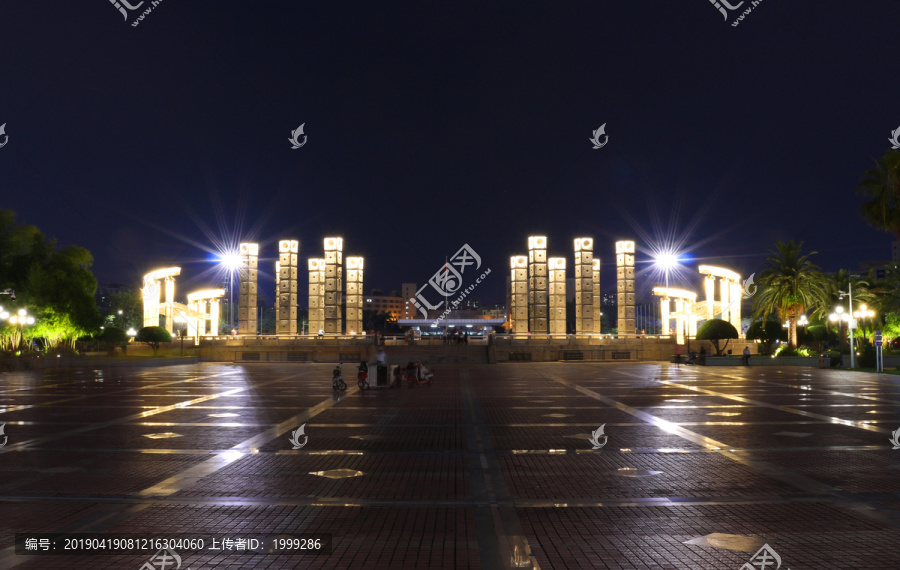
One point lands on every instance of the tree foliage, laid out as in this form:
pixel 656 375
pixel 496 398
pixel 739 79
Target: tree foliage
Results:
pixel 881 187
pixel 54 284
pixel 716 330
pixel 767 331
pixel 152 336
pixel 789 285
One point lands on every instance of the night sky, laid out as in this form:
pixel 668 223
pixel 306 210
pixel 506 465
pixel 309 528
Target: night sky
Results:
pixel 431 125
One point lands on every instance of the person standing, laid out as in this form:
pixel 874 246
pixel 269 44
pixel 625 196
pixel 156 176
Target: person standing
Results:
pixel 746 356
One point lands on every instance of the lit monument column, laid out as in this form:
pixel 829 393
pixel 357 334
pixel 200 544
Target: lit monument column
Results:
pixel 170 307
pixel 625 286
pixel 277 286
pixel 538 305
pixel 204 306
pixel 736 294
pixel 150 294
pixel 334 262
pixel 689 307
pixel 726 301
pixel 287 287
pixel 557 295
pixel 710 286
pixel 247 275
pixel 679 320
pixel 584 286
pixel 214 316
pixel 354 295
pixel 664 304
pixel 596 286
pixel 316 295
pixel 518 308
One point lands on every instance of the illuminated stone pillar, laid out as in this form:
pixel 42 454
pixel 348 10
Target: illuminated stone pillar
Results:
pixel 287 287
pixel 584 286
pixel 625 287
pixel 334 273
pixel 689 307
pixel 735 296
pixel 538 301
pixel 277 288
pixel 247 276
pixel 679 321
pixel 170 307
pixel 724 293
pixel 150 293
pixel 316 295
pixel 354 323
pixel 710 289
pixel 598 306
pixel 214 316
pixel 518 307
pixel 199 306
pixel 664 305
pixel 557 295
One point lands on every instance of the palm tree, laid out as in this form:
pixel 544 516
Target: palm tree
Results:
pixel 834 285
pixel 789 284
pixel 881 186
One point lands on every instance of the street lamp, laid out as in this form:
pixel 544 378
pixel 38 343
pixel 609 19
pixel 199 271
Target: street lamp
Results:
pixel 22 318
pixel 840 317
pixel 232 262
pixel 863 313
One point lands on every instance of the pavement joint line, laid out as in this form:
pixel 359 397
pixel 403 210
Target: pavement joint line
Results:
pixel 783 474
pixel 509 543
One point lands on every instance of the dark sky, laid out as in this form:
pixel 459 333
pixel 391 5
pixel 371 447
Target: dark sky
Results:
pixel 431 125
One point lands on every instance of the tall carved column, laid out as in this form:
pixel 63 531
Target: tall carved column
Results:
pixel 539 306
pixel 518 308
pixel 287 283
pixel 625 286
pixel 354 295
pixel 584 286
pixel 334 273
pixel 170 307
pixel 598 307
pixel 247 275
pixel 557 295
pixel 316 295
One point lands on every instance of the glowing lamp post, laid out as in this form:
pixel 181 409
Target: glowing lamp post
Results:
pixel 22 318
pixel 863 313
pixel 840 317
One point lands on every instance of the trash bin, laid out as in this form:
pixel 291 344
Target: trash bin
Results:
pixel 381 376
pixel 821 361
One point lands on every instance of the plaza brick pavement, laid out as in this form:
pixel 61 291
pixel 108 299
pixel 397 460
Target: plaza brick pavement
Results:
pixel 491 467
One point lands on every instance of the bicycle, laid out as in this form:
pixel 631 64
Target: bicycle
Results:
pixel 337 379
pixel 362 376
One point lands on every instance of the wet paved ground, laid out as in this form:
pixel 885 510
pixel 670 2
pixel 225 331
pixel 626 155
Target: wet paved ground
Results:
pixel 489 468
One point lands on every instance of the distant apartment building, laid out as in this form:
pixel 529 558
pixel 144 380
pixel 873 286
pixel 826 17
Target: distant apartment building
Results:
pixel 394 305
pixel 407 292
